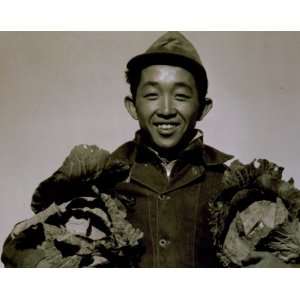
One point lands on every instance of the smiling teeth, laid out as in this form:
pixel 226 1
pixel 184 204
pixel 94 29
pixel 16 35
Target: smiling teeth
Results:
pixel 165 126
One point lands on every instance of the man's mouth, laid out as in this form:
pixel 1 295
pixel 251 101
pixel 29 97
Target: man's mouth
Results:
pixel 166 128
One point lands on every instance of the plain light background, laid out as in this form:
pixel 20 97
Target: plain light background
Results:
pixel 59 89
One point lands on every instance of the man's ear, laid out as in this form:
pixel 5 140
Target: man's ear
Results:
pixel 205 108
pixel 130 106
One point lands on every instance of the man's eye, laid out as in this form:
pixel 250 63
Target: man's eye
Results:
pixel 151 96
pixel 182 97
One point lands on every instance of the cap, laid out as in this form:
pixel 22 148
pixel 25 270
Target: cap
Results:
pixel 172 48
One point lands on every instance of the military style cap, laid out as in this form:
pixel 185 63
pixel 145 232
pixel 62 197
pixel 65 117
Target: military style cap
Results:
pixel 172 48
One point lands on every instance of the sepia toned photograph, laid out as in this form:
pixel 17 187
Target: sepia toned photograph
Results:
pixel 150 149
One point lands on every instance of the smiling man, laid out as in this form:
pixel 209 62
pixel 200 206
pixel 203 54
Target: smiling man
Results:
pixel 169 174
pixel 173 174
pixel 165 176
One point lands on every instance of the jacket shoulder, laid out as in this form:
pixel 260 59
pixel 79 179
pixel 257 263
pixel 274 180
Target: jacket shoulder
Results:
pixel 213 156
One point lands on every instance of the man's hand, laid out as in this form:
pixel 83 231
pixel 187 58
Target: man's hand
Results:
pixel 261 259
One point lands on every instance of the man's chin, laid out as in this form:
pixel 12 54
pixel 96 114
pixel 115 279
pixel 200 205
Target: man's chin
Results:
pixel 165 143
pixel 170 146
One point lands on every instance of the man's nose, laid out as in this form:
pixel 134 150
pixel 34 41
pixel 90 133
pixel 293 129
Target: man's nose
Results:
pixel 166 108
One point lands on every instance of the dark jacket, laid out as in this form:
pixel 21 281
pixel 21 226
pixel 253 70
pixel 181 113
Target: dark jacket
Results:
pixel 171 211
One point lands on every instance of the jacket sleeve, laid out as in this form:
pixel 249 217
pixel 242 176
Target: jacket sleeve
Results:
pixel 73 178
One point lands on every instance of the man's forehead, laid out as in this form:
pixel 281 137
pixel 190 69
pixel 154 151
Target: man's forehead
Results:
pixel 156 73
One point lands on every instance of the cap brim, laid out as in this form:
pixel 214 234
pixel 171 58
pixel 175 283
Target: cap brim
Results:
pixel 161 58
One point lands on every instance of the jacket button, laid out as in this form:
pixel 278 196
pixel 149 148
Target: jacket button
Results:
pixel 195 171
pixel 163 243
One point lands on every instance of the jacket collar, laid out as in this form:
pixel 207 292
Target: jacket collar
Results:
pixel 196 152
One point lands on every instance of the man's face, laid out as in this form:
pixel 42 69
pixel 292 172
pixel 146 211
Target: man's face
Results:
pixel 167 105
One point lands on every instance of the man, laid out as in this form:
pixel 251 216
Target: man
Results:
pixel 172 173
pixel 167 174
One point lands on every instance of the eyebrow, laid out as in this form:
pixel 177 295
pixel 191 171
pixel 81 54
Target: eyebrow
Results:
pixel 152 83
